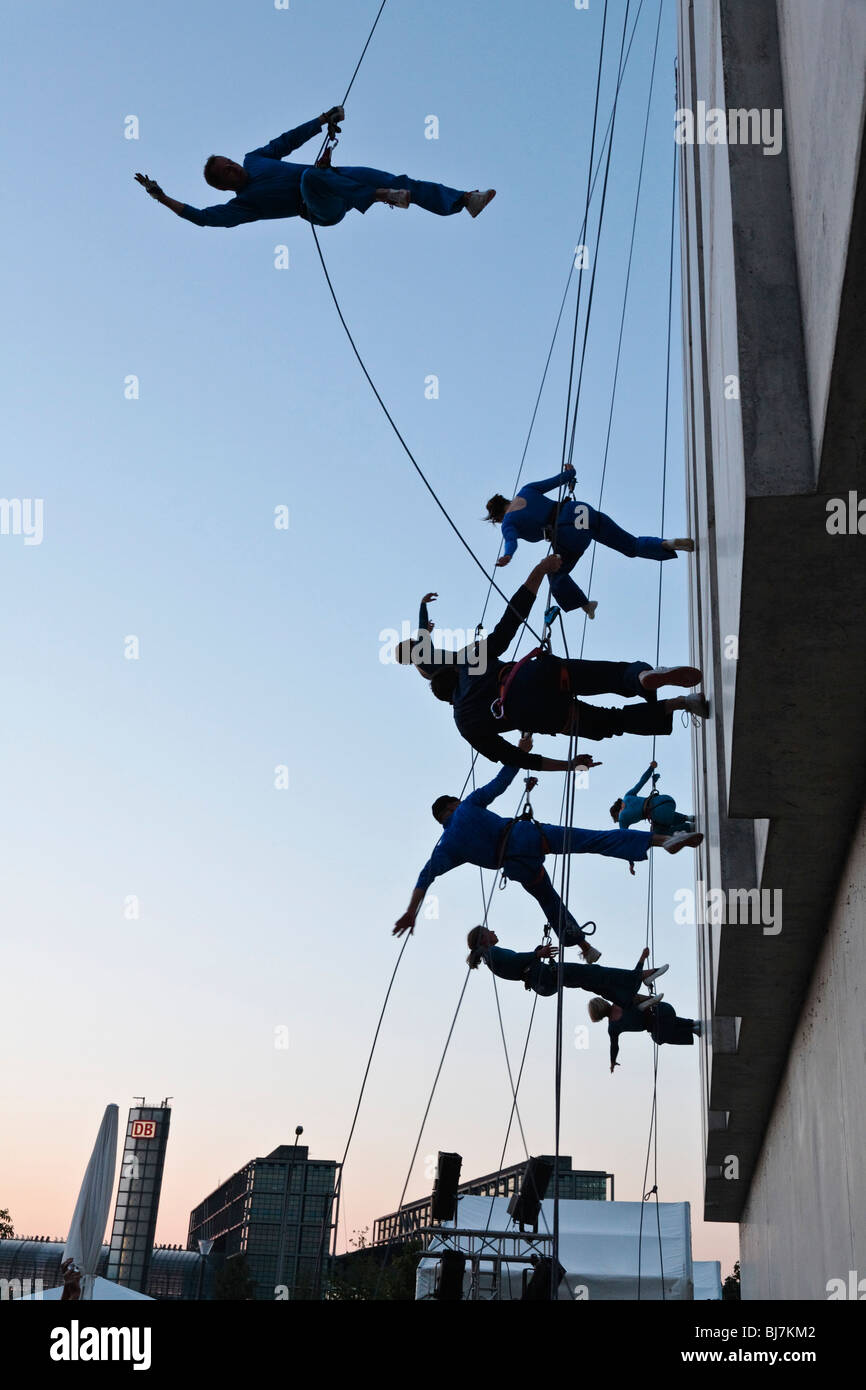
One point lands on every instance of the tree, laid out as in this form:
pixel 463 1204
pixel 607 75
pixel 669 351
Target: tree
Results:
pixel 234 1282
pixel 6 1229
pixel 731 1286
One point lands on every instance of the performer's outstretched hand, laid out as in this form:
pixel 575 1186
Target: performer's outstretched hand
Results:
pixel 546 952
pixel 150 186
pixel 584 760
pixel 406 923
pixel 503 560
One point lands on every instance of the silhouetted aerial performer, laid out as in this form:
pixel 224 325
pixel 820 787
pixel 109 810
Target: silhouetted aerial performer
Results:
pixel 538 970
pixel 472 834
pixel 538 694
pixel 265 186
pixel 658 808
pixel 532 516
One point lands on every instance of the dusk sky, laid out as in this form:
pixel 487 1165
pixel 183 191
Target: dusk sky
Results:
pixel 140 776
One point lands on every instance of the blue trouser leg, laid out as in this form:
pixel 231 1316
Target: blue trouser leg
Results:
pixel 604 529
pixel 631 845
pixel 579 524
pixel 665 817
pixel 618 986
pixel 328 194
pixel 556 914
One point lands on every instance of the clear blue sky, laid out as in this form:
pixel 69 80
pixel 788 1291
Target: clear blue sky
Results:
pixel 261 908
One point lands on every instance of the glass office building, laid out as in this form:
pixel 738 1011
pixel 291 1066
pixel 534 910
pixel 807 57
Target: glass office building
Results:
pixel 278 1211
pixel 28 1267
pixel 574 1184
pixel 138 1192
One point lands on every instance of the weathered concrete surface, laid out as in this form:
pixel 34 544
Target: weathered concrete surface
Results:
pixel 805 1222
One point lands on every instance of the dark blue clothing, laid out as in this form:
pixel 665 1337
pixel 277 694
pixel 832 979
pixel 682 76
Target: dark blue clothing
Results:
pixel 620 986
pixel 529 523
pixel 661 1023
pixel 578 525
pixel 541 698
pixel 276 189
pixel 328 194
pixel 273 190
pixel 475 835
pixel 664 816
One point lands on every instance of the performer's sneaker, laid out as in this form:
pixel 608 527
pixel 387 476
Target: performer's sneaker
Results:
pixel 684 840
pixel 394 197
pixel 590 953
pixel 654 974
pixel 651 1002
pixel 698 705
pixel 670 675
pixel 476 202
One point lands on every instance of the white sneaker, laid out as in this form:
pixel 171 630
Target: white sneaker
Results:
pixel 684 840
pixel 476 202
pixel 697 705
pixel 654 974
pixel 590 953
pixel 394 197
pixel 651 1002
pixel 670 675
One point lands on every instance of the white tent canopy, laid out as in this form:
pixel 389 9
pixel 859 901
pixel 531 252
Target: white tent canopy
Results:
pixel 84 1242
pixel 708 1279
pixel 598 1245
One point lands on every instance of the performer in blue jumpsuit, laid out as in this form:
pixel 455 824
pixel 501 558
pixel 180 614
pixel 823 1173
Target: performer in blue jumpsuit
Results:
pixel 541 690
pixel 658 1019
pixel 265 187
pixel 658 808
pixel 474 835
pixel 619 986
pixel 532 516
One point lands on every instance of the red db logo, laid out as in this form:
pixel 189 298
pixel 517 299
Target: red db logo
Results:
pixel 144 1129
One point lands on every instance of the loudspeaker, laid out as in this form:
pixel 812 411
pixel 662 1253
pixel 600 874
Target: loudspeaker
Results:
pixel 539 1287
pixel 449 1278
pixel 445 1187
pixel 525 1205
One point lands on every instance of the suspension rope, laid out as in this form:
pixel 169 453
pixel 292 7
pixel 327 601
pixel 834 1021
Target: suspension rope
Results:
pixel 653 1137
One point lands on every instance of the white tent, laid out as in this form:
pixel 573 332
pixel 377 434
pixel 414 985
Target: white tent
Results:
pixel 84 1242
pixel 708 1279
pixel 103 1290
pixel 598 1245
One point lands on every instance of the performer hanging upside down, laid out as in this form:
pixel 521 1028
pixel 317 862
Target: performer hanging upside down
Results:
pixel 650 1016
pixel 619 986
pixel 532 516
pixel 539 693
pixel 265 187
pixel 474 835
pixel 660 810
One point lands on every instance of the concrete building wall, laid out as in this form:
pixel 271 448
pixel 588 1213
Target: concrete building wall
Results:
pixel 805 1221
pixel 774 303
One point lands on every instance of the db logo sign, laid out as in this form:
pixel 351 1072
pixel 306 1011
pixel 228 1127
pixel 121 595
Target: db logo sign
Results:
pixel 144 1129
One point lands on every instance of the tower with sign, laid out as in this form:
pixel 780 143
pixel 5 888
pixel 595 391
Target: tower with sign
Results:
pixel 138 1190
